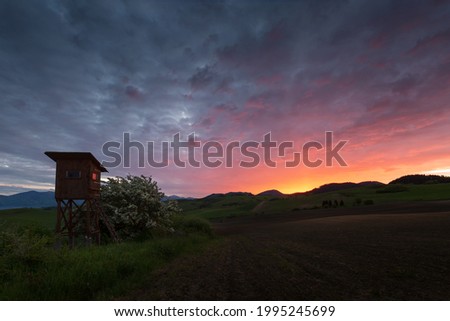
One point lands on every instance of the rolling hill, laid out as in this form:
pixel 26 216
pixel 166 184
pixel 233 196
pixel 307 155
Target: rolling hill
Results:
pixel 272 192
pixel 333 187
pixel 421 179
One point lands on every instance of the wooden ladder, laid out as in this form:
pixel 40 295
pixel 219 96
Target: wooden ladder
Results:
pixel 105 220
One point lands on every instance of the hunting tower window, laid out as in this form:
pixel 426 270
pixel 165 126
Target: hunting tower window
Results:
pixel 73 174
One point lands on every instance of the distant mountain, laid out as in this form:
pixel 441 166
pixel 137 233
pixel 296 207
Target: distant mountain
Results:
pixel 271 192
pixel 333 187
pixel 28 199
pixel 421 179
pixel 176 198
pixel 220 195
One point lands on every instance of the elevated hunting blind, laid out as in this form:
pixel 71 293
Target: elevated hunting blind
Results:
pixel 77 175
pixel 77 194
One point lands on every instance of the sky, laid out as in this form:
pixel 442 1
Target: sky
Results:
pixel 77 74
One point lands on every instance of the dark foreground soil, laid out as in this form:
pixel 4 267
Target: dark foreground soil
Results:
pixel 390 252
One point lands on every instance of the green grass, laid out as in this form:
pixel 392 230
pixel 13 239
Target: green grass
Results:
pixel 37 217
pixel 379 195
pixel 90 273
pixel 232 205
pixel 222 206
pixel 31 269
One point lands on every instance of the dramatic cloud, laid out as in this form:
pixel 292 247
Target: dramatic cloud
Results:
pixel 76 74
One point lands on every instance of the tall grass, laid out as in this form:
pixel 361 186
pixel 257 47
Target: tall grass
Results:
pixel 30 269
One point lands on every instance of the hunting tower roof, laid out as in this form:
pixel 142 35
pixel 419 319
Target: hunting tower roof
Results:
pixel 75 155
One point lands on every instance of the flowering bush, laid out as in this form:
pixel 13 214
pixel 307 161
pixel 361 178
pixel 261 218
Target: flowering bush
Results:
pixel 135 206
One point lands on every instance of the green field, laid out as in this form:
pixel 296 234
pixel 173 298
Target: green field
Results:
pixel 25 217
pixel 31 269
pixel 232 205
pixel 380 195
pixel 221 206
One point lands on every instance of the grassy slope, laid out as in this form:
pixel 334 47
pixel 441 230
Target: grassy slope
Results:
pixel 30 269
pixel 221 206
pixel 349 196
pixel 230 206
pixel 41 273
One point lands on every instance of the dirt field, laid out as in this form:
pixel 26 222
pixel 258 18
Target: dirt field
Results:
pixel 399 252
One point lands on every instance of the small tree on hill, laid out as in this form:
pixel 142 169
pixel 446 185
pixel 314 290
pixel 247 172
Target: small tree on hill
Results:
pixel 135 206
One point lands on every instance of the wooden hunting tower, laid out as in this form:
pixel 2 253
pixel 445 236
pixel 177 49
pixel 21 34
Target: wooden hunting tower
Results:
pixel 77 194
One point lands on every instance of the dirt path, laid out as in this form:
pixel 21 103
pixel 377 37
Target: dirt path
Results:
pixel 376 256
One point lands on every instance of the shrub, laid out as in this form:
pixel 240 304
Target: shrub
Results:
pixel 135 206
pixel 368 202
pixel 23 249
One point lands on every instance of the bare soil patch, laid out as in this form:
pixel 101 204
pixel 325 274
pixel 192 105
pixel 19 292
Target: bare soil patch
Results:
pixel 399 252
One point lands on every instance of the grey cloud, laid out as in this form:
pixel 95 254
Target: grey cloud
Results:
pixel 202 77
